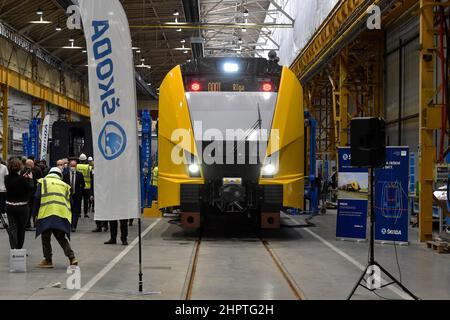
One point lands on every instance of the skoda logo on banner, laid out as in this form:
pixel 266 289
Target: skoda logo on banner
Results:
pixel 383 231
pixel 112 140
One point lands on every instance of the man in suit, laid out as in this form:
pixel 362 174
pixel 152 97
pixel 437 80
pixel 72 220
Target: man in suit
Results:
pixel 76 182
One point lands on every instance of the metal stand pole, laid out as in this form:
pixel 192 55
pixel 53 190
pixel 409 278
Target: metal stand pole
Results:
pixel 140 255
pixel 372 261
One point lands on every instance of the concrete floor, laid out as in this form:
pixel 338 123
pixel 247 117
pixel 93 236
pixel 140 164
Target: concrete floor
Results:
pixel 230 266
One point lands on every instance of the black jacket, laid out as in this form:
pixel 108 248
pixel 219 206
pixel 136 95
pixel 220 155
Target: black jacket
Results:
pixel 79 183
pixel 18 188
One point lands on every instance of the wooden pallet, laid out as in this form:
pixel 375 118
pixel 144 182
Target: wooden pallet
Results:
pixel 440 247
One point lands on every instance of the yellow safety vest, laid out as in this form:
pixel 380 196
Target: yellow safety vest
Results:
pixel 85 169
pixel 55 199
pixel 155 177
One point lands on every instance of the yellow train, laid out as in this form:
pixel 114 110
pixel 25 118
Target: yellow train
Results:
pixel 231 140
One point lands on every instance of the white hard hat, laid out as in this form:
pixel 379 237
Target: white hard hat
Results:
pixel 55 170
pixel 83 157
pixel 90 159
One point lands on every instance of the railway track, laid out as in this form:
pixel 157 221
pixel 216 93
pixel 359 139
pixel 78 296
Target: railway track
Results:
pixel 192 271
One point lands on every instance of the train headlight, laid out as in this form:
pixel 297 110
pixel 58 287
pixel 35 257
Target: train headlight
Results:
pixel 194 168
pixel 230 67
pixel 269 169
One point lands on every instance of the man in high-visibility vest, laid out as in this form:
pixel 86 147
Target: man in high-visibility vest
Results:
pixel 86 170
pixel 155 183
pixel 54 216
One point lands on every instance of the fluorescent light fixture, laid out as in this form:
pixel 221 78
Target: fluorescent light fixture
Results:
pixel 39 12
pixel 230 67
pixel 72 46
pixel 179 30
pixel 183 41
pixel 40 21
pixel 185 51
pixel 143 65
pixel 176 13
pixel 135 48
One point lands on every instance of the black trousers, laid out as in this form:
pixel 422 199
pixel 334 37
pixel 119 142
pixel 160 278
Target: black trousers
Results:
pixel 86 200
pixel 17 220
pixel 76 209
pixel 31 220
pixel 63 242
pixel 2 202
pixel 123 229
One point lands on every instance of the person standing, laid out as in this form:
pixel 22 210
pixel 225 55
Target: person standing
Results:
pixel 85 169
pixel 37 174
pixel 75 180
pixel 113 225
pixel 91 200
pixel 18 189
pixel 54 216
pixel 3 174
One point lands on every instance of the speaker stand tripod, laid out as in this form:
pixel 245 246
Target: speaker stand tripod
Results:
pixel 372 262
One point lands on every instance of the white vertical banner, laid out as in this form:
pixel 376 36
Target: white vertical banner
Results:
pixel 44 137
pixel 112 93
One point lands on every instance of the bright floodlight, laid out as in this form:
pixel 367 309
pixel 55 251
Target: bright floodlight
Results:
pixel 230 67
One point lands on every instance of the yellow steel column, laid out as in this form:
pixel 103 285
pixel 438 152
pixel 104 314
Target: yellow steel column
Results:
pixel 5 134
pixel 344 94
pixel 427 150
pixel 43 106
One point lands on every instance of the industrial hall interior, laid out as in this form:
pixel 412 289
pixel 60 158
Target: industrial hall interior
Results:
pixel 224 150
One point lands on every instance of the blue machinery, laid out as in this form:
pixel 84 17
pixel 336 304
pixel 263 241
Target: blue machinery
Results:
pixel 312 187
pixel 146 161
pixel 31 139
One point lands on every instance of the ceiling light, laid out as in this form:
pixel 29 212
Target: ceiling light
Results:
pixel 72 46
pixel 149 84
pixel 245 13
pixel 240 40
pixel 39 12
pixel 84 51
pixel 138 51
pixel 58 28
pixel 183 41
pixel 40 21
pixel 179 30
pixel 135 48
pixel 185 51
pixel 176 13
pixel 143 65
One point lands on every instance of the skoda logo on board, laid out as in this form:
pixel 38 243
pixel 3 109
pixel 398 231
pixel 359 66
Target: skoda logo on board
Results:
pixel 112 140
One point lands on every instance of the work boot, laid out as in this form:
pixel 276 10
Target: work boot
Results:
pixel 73 261
pixel 45 264
pixel 124 242
pixel 97 230
pixel 111 241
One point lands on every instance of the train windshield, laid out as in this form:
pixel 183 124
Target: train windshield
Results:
pixel 232 116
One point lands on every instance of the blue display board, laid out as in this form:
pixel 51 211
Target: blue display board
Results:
pixel 353 187
pixel 391 196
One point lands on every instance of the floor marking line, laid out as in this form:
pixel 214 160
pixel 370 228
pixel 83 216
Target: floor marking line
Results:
pixel 111 264
pixel 350 259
